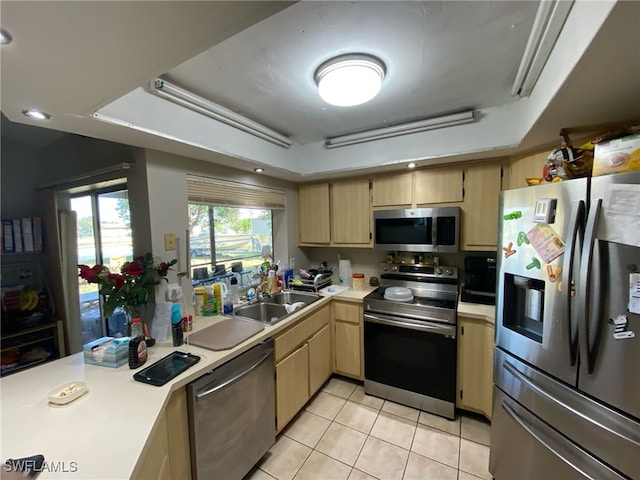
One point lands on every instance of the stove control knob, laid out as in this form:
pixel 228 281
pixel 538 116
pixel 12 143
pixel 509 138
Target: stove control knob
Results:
pixel 438 271
pixel 394 268
pixel 449 271
pixel 385 268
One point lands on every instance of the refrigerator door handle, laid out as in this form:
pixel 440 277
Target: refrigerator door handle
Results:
pixel 560 447
pixel 585 312
pixel 576 234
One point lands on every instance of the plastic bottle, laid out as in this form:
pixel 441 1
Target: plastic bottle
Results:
pixel 136 327
pixel 177 331
pixel 227 305
pixel 235 294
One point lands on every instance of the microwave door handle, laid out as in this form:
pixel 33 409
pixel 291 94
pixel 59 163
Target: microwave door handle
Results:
pixel 588 270
pixel 574 241
pixel 434 231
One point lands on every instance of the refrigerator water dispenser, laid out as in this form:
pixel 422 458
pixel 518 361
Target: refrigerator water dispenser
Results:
pixel 524 306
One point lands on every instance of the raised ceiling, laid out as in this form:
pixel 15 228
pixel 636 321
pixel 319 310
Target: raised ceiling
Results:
pixel 258 59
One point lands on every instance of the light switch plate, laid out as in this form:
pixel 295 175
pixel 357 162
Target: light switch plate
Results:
pixel 169 241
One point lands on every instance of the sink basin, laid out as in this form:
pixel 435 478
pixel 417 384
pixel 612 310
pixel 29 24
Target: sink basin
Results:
pixel 293 297
pixel 272 309
pixel 269 313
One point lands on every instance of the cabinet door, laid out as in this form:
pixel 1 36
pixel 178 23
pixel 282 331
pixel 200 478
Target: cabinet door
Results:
pixel 313 214
pixel 393 190
pixel 438 185
pixel 320 365
pixel 347 312
pixel 471 348
pixel 489 335
pixel 292 385
pixel 480 207
pixel 348 349
pixel 351 213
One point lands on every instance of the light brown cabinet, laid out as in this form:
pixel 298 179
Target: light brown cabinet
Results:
pixel 475 365
pixel 303 363
pixel 392 190
pixel 167 453
pixel 351 213
pixel 482 185
pixel 438 185
pixel 348 341
pixel 336 214
pixel 314 225
pixel 292 385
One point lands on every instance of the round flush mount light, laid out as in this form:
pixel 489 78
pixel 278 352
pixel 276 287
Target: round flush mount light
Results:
pixel 411 165
pixel 258 170
pixel 350 80
pixel 36 114
pixel 5 37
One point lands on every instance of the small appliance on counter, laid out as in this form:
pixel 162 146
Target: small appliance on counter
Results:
pixel 479 280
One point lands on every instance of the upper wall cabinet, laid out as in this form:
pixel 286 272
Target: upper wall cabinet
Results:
pixel 522 168
pixel 482 185
pixel 393 190
pixel 422 187
pixel 351 213
pixel 313 214
pixel 335 215
pixel 438 185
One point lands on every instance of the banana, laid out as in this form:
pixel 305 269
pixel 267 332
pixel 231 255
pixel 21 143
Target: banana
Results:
pixel 28 300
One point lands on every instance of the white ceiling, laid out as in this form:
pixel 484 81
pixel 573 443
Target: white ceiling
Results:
pixel 258 59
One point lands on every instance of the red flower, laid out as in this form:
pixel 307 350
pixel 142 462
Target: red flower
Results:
pixel 91 274
pixel 163 269
pixel 118 280
pixel 132 268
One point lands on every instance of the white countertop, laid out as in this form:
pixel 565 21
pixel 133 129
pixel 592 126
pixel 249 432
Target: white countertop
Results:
pixel 103 433
pixel 477 310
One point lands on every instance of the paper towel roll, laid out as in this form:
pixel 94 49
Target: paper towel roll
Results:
pixel 345 272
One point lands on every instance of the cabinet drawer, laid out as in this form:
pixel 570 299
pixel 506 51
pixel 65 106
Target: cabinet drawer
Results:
pixel 347 312
pixel 299 333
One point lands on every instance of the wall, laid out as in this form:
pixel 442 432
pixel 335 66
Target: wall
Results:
pixel 21 175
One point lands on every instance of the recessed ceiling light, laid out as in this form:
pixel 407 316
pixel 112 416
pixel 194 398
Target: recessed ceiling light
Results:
pixel 258 170
pixel 350 80
pixel 5 37
pixel 411 165
pixel 36 114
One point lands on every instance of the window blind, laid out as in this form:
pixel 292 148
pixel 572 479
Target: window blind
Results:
pixel 213 191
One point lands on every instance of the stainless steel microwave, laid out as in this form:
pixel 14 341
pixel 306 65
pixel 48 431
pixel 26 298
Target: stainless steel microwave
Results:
pixel 417 229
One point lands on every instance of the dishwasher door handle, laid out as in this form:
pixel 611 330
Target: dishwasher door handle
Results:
pixel 217 385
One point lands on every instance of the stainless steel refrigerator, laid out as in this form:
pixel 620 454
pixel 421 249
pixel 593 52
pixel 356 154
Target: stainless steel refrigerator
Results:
pixel 567 357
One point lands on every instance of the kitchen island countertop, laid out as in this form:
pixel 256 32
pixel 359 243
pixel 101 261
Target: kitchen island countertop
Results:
pixel 103 433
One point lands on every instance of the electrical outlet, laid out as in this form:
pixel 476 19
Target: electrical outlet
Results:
pixel 169 241
pixel 292 262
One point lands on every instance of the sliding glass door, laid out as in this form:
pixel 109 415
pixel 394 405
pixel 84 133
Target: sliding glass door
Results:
pixel 103 237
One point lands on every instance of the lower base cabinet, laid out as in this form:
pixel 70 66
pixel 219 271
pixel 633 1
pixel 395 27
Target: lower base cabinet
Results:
pixel 303 363
pixel 348 339
pixel 167 453
pixel 475 365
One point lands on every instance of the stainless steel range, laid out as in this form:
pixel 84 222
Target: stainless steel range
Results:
pixel 410 337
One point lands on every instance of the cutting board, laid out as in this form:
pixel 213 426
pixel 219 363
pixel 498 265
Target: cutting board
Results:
pixel 226 334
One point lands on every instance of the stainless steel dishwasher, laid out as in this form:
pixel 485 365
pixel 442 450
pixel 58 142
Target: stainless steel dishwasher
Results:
pixel 232 415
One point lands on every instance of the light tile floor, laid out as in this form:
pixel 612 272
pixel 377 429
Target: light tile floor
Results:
pixel 345 434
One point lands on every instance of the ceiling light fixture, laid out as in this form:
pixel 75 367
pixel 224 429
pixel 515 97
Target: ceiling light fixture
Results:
pixel 411 165
pixel 258 170
pixel 547 25
pixel 350 80
pixel 193 102
pixel 5 37
pixel 36 114
pixel 402 129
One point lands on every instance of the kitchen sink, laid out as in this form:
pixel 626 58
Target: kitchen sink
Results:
pixel 292 297
pixel 271 310
pixel 269 313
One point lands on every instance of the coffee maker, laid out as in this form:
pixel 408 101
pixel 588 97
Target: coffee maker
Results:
pixel 479 280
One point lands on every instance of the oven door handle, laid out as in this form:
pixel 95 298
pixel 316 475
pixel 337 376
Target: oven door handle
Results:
pixel 428 327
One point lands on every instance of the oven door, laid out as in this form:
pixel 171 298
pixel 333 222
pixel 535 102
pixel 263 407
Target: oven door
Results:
pixel 412 355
